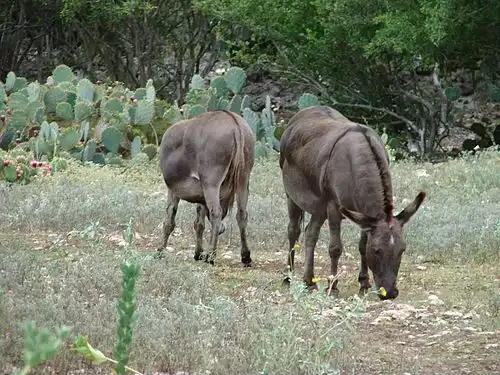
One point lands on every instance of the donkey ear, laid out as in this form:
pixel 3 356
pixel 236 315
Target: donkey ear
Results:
pixel 365 222
pixel 404 216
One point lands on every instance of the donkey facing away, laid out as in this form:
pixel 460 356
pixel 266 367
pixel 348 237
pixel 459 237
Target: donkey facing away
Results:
pixel 334 168
pixel 207 160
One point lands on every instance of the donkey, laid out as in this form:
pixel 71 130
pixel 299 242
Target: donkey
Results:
pixel 207 160
pixel 334 168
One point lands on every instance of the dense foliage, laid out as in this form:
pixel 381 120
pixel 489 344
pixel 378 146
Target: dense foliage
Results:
pixel 386 63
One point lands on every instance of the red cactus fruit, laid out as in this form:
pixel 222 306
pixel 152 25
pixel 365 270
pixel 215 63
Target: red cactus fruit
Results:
pixel 132 98
pixel 6 163
pixel 2 117
pixel 33 164
pixel 35 133
pixel 40 163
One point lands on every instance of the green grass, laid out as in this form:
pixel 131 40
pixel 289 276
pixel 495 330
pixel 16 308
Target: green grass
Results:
pixel 226 319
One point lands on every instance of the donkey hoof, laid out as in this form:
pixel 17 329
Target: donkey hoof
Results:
pixel 197 256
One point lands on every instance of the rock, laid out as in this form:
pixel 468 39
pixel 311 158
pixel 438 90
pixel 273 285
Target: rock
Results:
pixel 434 300
pixel 421 268
pixel 453 314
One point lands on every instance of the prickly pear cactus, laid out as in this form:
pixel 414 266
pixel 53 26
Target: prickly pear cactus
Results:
pixel 197 82
pixel 236 78
pixel 85 90
pixel 62 73
pixel 253 120
pixel 145 111
pixel 173 114
pixel 235 105
pixel 89 150
pixel 111 138
pixel 64 110
pixel 307 100
pixel 220 86
pixel 150 91
pixel 194 111
pixel 53 96
pixel 68 139
pixel 10 81
pixel 150 150
pixel 82 111
pixel 135 147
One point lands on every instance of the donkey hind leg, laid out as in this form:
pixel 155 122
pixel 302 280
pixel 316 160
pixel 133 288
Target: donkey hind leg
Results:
pixel 335 247
pixel 199 227
pixel 364 283
pixel 295 217
pixel 242 220
pixel 214 211
pixel 169 221
pixel 311 238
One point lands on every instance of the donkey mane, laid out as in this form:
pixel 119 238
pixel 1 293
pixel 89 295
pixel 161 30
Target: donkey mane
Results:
pixel 384 175
pixel 382 169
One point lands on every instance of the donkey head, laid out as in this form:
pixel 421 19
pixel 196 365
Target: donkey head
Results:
pixel 385 245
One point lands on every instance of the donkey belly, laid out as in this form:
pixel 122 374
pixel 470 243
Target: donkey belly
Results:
pixel 298 189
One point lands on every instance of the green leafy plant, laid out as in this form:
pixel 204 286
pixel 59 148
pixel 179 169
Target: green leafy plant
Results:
pixel 40 345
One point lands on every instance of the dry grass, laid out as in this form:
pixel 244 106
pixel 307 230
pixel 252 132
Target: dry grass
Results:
pixel 225 319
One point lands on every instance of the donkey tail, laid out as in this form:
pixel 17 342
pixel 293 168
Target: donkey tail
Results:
pixel 236 172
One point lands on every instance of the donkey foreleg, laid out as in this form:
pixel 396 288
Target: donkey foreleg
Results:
pixel 311 238
pixel 364 280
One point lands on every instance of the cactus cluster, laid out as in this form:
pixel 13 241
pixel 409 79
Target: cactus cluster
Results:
pixel 94 118
pixel 226 92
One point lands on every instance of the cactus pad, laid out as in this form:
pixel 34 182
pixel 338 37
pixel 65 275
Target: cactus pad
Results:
pixel 85 90
pixel 68 139
pixel 64 110
pixel 62 73
pixel 135 147
pixel 18 121
pixel 150 150
pixel 34 91
pixel 53 96
pixel 150 91
pixel 252 119
pixel 89 150
pixel 220 86
pixel 145 111
pixel 173 114
pixel 10 81
pixel 112 106
pixel 307 100
pixel 111 138
pixel 236 78
pixel 18 102
pixel 19 84
pixel 197 82
pixel 140 93
pixel 82 111
pixel 194 111
pixel 99 158
pixel 235 105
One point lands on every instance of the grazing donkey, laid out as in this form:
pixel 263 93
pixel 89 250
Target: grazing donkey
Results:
pixel 332 167
pixel 207 160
